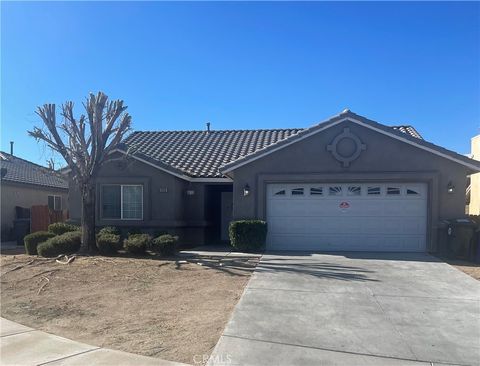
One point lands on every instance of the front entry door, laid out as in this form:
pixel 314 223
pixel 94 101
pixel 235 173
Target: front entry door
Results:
pixel 227 214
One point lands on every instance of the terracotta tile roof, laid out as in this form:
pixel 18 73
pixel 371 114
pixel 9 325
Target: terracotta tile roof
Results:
pixel 200 154
pixel 22 171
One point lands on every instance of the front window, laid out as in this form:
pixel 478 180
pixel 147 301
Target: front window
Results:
pixel 124 202
pixel 55 203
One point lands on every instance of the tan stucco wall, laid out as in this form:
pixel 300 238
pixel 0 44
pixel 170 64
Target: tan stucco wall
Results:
pixel 474 207
pixel 25 196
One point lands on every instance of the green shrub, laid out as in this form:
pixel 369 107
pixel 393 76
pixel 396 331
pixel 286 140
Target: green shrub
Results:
pixel 108 244
pixel 74 222
pixel 248 235
pixel 59 228
pixel 134 231
pixel 165 245
pixel 67 243
pixel 137 243
pixel 158 233
pixel 109 230
pixel 32 240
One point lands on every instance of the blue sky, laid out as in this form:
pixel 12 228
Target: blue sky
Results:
pixel 245 65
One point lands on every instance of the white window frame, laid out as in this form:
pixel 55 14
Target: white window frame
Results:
pixel 55 196
pixel 121 202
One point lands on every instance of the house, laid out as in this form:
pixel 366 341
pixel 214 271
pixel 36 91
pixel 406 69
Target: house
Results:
pixel 348 183
pixel 474 187
pixel 25 184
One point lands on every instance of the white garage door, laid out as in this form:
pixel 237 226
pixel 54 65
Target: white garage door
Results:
pixel 347 216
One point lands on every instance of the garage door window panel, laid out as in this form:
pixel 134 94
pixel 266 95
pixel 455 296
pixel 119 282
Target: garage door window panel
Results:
pixel 374 191
pixel 412 192
pixel 316 191
pixel 354 191
pixel 393 191
pixel 335 191
pixel 297 191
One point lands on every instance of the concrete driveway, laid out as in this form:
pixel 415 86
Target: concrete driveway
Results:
pixel 354 309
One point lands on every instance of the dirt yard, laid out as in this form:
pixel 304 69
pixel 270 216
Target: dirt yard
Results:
pixel 168 309
pixel 470 268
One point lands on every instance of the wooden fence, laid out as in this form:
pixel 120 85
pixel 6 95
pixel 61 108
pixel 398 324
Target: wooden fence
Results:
pixel 42 216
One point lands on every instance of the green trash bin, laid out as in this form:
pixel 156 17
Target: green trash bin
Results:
pixel 461 234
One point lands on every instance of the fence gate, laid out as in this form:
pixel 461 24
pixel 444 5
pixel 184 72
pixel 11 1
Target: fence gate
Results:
pixel 42 216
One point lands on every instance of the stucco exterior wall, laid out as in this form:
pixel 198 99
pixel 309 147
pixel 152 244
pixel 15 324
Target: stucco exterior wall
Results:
pixel 385 159
pixel 474 207
pixel 25 196
pixel 166 204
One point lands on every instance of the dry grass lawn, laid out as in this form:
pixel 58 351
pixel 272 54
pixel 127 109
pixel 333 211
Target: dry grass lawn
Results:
pixel 162 308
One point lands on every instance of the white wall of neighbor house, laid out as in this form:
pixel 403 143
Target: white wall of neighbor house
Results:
pixel 474 207
pixel 25 196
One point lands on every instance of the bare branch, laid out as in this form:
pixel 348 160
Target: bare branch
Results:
pixel 85 143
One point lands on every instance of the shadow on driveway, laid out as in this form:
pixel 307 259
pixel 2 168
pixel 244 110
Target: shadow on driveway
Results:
pixel 394 256
pixel 316 269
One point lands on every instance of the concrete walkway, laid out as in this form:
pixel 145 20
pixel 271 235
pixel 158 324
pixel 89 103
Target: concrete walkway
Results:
pixel 21 345
pixel 354 309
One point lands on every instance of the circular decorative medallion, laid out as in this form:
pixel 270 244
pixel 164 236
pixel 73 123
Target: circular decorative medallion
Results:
pixel 346 147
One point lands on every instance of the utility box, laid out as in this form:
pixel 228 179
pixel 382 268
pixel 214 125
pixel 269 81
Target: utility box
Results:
pixel 21 227
pixel 461 235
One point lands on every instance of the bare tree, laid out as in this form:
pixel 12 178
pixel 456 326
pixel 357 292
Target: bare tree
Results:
pixel 85 143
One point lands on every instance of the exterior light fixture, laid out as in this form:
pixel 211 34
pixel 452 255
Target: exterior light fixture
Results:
pixel 190 192
pixel 246 190
pixel 450 187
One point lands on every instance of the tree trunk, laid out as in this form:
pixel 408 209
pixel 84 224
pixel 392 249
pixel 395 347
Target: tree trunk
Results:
pixel 88 218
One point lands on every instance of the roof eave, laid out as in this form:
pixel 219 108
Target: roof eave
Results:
pixel 171 170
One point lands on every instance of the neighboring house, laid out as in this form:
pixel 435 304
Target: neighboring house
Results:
pixel 348 183
pixel 24 184
pixel 474 188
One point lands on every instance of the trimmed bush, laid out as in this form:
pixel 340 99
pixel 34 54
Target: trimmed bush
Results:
pixel 109 230
pixel 165 245
pixel 67 243
pixel 108 244
pixel 248 235
pixel 59 228
pixel 32 240
pixel 134 231
pixel 74 222
pixel 137 243
pixel 158 233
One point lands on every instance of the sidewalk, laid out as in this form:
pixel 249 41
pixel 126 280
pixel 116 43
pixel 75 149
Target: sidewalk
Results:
pixel 21 345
